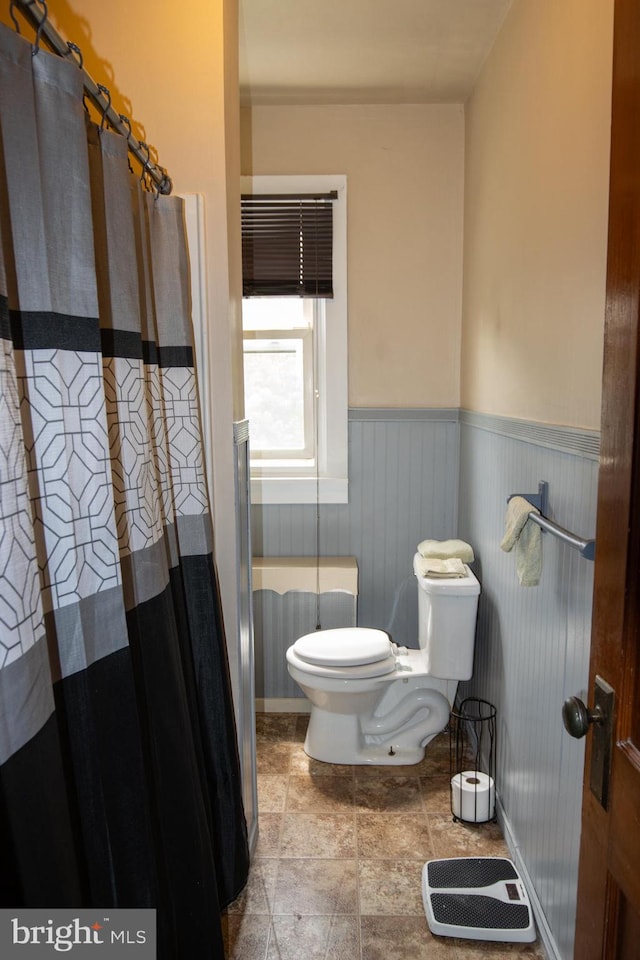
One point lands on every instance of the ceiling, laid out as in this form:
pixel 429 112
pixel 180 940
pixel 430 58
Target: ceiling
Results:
pixel 364 51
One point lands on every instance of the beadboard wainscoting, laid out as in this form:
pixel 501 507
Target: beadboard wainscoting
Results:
pixel 403 487
pixel 441 473
pixel 532 648
pixel 279 620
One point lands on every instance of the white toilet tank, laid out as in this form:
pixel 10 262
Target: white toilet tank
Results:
pixel 447 611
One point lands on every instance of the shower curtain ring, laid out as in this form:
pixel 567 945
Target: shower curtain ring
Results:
pixel 106 93
pixel 13 16
pixel 126 123
pixel 160 183
pixel 74 48
pixel 36 47
pixel 145 163
pixel 124 119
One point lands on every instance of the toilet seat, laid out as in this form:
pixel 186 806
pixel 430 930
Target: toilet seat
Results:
pixel 343 646
pixel 356 652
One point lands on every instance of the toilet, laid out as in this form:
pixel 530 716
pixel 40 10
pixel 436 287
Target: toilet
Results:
pixel 374 702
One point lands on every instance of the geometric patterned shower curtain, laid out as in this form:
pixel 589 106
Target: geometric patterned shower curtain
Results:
pixel 119 771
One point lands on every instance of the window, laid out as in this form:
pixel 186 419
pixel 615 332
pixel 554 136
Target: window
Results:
pixel 279 378
pixel 295 364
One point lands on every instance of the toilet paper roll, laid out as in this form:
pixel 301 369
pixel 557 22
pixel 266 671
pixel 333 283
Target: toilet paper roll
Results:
pixel 473 796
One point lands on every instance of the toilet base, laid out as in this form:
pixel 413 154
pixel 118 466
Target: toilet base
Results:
pixel 338 738
pixel 375 755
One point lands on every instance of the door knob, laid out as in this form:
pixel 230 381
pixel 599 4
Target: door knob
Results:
pixel 577 718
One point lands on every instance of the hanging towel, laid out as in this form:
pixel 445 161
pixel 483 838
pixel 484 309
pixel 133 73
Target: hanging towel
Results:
pixel 525 535
pixel 446 549
pixel 442 569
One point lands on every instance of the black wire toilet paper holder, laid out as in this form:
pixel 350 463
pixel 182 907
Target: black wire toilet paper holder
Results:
pixel 472 761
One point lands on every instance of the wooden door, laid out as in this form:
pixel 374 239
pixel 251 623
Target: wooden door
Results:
pixel 608 916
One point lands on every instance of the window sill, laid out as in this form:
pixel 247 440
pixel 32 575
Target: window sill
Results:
pixel 281 490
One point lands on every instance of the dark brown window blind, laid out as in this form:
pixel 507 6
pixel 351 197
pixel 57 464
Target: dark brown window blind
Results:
pixel 287 245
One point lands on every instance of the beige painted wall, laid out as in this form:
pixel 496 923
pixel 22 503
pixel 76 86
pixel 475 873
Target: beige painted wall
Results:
pixel 404 167
pixel 173 68
pixel 536 199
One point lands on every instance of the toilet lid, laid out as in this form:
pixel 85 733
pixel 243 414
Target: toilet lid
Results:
pixel 343 647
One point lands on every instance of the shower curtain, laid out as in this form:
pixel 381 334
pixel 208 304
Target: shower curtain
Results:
pixel 119 772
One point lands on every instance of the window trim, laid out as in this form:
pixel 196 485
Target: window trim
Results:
pixel 269 486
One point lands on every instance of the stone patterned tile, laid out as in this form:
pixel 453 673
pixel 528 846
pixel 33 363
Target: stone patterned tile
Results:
pixel 364 771
pixel 437 758
pixel 384 837
pixel 319 835
pixel 257 896
pixel 390 887
pixel 315 888
pixel 466 840
pixel 302 722
pixel 272 757
pixel 314 938
pixel 279 727
pixel 390 794
pixel 245 937
pixel 488 950
pixel 440 742
pixel 309 794
pixel 272 792
pixel 335 840
pixel 402 938
pixel 269 834
pixel 436 794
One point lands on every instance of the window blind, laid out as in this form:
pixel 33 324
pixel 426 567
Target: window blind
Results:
pixel 287 245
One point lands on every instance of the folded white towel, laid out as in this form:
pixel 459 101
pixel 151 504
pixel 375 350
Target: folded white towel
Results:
pixel 525 535
pixel 434 567
pixel 445 549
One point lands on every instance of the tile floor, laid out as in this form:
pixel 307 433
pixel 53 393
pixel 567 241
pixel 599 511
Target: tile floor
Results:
pixel 337 870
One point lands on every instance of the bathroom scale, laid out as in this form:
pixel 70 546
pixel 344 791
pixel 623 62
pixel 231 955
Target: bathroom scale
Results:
pixel 479 898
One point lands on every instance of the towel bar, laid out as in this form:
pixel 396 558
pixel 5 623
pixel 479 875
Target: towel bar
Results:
pixel 587 548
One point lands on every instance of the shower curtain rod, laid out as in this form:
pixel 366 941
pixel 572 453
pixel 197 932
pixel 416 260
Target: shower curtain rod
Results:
pixel 35 11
